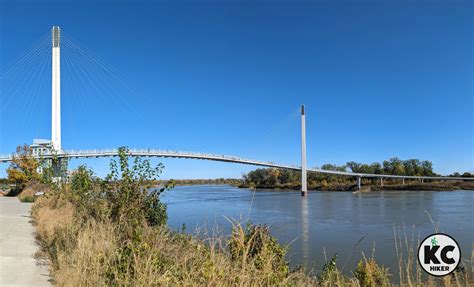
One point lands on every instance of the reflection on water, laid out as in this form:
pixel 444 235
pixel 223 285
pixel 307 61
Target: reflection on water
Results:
pixel 329 221
pixel 305 230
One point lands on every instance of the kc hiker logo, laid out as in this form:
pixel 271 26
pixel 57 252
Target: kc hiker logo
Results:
pixel 439 254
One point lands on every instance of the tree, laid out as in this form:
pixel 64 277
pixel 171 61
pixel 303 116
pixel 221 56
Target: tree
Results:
pixel 427 168
pixel 365 168
pixel 412 166
pixel 397 166
pixel 82 185
pixel 394 166
pixel 23 167
pixel 376 168
pixel 354 166
pixel 273 176
pixel 128 190
pixel 286 176
pixel 387 167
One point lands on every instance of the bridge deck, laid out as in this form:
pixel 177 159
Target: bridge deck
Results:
pixel 223 158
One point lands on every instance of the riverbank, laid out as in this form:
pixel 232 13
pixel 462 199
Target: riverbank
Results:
pixel 18 266
pixel 87 250
pixel 434 186
pixel 437 186
pixel 188 182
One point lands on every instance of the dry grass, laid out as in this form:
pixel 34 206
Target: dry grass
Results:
pixel 28 193
pixel 94 253
pixel 51 215
pixel 87 263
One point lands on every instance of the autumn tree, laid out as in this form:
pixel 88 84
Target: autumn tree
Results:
pixel 23 167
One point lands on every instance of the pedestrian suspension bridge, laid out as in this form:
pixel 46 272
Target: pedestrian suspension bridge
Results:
pixel 60 153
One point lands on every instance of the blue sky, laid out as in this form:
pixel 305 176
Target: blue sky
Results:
pixel 379 79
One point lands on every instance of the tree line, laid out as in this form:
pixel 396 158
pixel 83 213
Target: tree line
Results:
pixel 176 182
pixel 395 166
pixel 273 177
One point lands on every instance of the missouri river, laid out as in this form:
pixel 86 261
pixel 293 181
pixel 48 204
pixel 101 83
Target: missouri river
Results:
pixel 330 222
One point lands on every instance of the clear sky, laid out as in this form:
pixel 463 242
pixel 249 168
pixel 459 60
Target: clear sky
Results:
pixel 379 79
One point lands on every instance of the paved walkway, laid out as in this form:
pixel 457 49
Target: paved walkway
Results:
pixel 17 246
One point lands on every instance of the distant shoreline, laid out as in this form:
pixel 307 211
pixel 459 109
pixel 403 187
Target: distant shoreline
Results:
pixel 190 182
pixel 451 186
pixel 337 187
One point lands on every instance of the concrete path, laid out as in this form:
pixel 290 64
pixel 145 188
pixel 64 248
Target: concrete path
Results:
pixel 17 246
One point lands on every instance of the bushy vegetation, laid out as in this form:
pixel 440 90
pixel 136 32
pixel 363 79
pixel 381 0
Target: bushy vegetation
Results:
pixel 369 273
pixel 23 168
pixel 291 179
pixel 28 174
pixel 178 182
pixel 122 200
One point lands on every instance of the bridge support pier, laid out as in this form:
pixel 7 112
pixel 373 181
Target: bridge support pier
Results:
pixel 381 181
pixel 304 188
pixel 359 182
pixel 403 181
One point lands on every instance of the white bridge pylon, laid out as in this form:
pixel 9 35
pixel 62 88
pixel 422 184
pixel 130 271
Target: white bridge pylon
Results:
pixel 56 89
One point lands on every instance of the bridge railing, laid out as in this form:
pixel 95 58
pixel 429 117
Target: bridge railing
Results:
pixel 171 153
pixel 220 157
pixel 184 154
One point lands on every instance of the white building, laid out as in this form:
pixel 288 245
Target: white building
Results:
pixel 41 147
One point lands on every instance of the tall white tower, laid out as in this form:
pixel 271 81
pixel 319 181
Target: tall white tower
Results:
pixel 56 90
pixel 304 189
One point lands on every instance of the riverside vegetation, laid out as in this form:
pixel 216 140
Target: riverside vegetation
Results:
pixel 271 178
pixel 113 232
pixel 217 181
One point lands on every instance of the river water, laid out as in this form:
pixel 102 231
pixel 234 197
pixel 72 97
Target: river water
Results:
pixel 329 222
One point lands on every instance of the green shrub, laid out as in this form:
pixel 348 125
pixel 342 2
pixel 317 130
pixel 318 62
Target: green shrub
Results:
pixel 127 191
pixel 370 274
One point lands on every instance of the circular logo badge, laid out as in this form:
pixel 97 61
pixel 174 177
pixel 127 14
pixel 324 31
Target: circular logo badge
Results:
pixel 439 254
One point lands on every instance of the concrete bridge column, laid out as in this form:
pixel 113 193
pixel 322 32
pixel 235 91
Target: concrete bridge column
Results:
pixel 403 181
pixel 381 181
pixel 359 179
